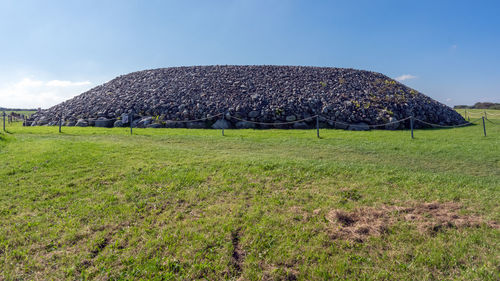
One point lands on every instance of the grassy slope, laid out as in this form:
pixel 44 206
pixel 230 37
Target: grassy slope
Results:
pixel 176 203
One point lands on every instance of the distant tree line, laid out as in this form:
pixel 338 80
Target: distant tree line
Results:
pixel 15 109
pixel 480 105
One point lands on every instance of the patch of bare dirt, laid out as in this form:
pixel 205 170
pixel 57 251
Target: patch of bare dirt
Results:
pixel 429 218
pixel 238 253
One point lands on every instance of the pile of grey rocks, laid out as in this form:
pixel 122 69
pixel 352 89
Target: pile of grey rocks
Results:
pixel 224 95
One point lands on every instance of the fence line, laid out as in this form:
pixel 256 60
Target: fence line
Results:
pixel 354 125
pixel 476 114
pixel 322 118
pixel 494 123
pixel 276 123
pixel 482 114
pixel 371 126
pixel 444 126
pixel 412 119
pixel 475 120
pixel 195 120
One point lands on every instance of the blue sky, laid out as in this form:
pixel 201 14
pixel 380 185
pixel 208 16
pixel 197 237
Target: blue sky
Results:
pixel 53 50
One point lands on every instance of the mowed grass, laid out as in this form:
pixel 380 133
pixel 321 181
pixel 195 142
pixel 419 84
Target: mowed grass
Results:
pixel 167 204
pixel 478 113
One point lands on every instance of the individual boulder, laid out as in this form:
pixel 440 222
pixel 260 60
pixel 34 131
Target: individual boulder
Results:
pixel 144 122
pixel 196 125
pixel 82 123
pixel 118 123
pixel 301 125
pixel 245 125
pixel 43 121
pixel 340 125
pixel 104 122
pixel 392 124
pixel 253 114
pixel 221 124
pixel 155 125
pixel 359 127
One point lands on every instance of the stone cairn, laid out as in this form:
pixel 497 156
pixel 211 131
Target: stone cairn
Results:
pixel 249 97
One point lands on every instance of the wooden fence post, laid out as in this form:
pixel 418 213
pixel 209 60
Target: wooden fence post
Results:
pixel 317 126
pixel 411 125
pixel 60 123
pixel 131 117
pixel 484 127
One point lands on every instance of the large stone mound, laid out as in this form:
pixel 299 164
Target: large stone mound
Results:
pixel 267 94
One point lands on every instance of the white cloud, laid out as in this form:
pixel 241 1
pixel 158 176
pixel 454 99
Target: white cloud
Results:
pixel 405 77
pixel 32 93
pixel 61 83
pixel 28 83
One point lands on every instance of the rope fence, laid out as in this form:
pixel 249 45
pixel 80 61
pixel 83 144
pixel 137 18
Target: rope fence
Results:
pixel 444 126
pixel 317 117
pixel 195 120
pixel 370 126
pixel 276 123
pixel 494 123
pixel 485 114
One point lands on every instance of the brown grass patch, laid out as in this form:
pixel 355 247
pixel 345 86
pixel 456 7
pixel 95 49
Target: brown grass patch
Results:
pixel 429 218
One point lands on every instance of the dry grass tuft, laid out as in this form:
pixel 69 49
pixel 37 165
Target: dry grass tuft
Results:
pixel 429 218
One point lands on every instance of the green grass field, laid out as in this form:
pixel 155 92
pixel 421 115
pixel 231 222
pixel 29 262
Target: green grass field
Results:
pixel 478 113
pixel 168 204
